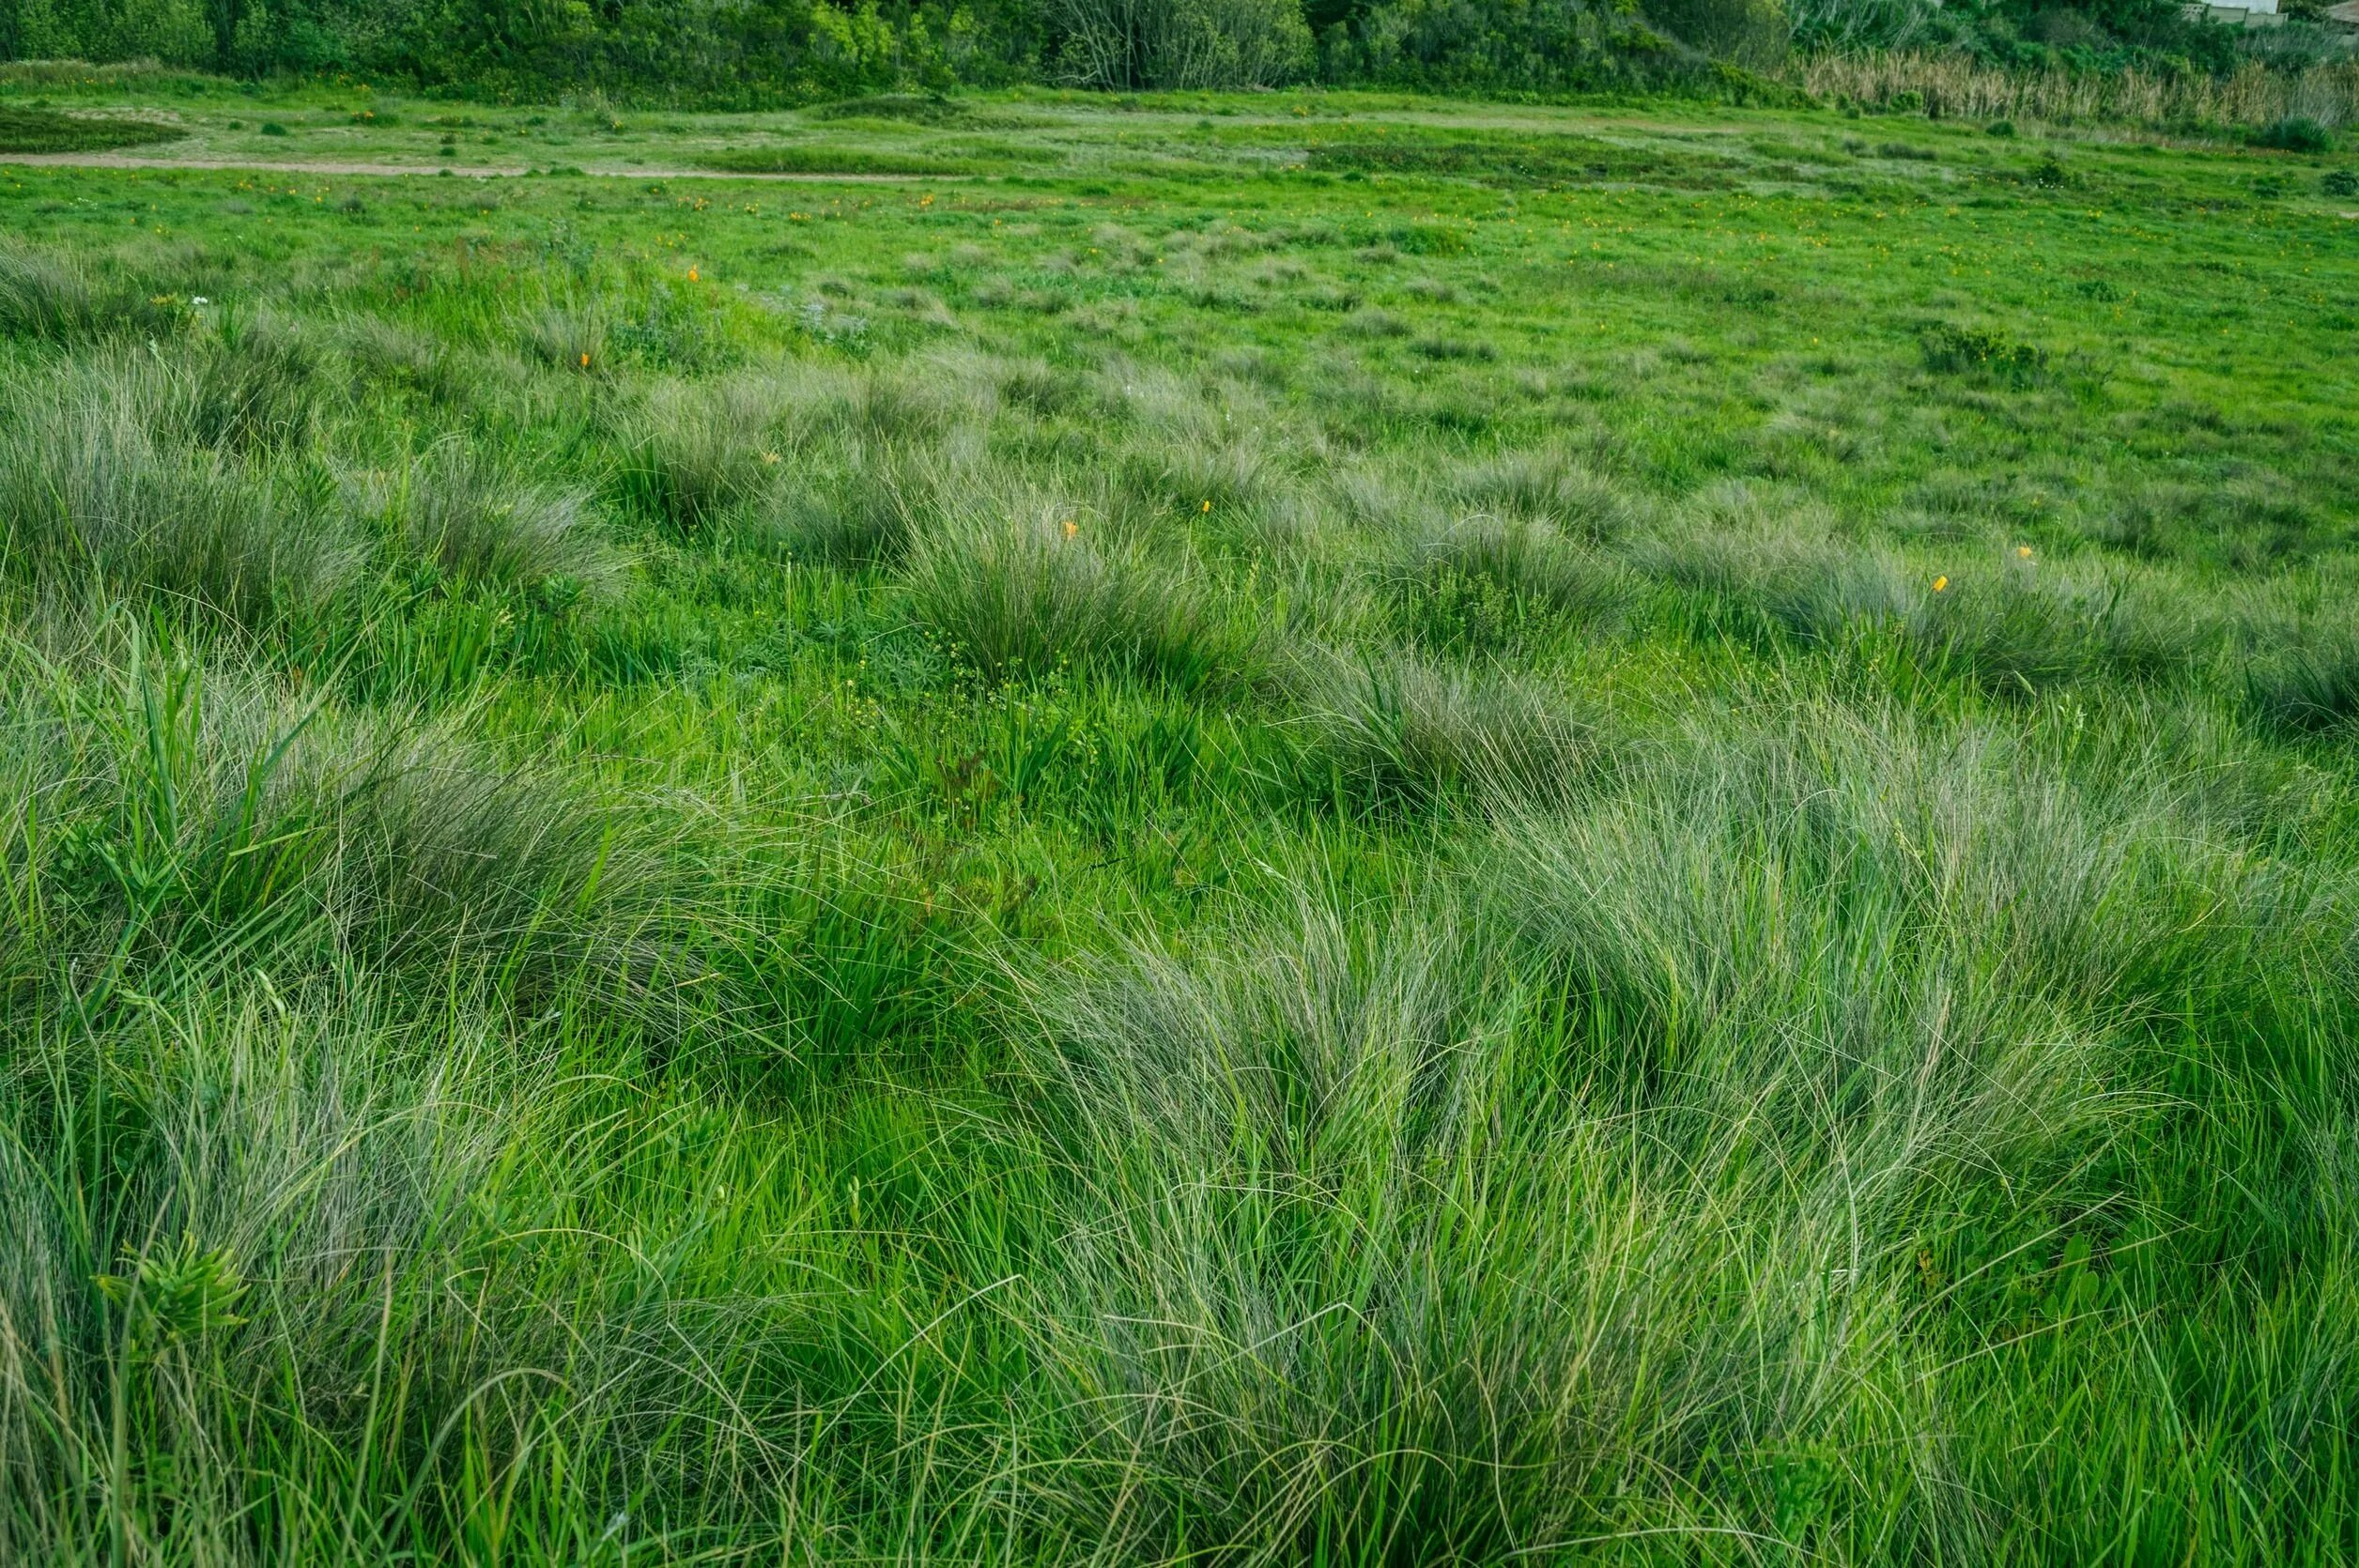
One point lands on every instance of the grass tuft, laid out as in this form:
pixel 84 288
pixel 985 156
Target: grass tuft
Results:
pixel 1014 595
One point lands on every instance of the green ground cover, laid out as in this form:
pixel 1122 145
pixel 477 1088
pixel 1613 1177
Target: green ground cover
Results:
pixel 1288 829
pixel 48 130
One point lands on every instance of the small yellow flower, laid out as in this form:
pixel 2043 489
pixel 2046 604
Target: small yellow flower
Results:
pixel 691 274
pixel 2023 552
pixel 1940 584
pixel 585 361
pixel 1072 527
pixel 770 457
pixel 1208 506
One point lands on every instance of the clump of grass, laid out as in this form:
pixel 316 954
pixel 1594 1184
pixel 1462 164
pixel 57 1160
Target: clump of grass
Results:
pixel 84 486
pixel 2296 133
pixel 260 384
pixel 1027 595
pixel 1392 726
pixel 2311 683
pixel 1524 557
pixel 862 501
pixel 194 811
pixel 386 353
pixel 2017 621
pixel 696 454
pixel 1791 570
pixel 478 515
pixel 1297 1169
pixel 568 337
pixel 813 159
pixel 51 295
pixel 1550 487
pixel 2010 620
pixel 919 109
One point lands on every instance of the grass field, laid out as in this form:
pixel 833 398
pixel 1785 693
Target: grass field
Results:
pixel 1289 829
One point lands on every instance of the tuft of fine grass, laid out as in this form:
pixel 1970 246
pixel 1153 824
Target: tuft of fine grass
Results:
pixel 1014 595
pixel 480 515
pixel 85 487
pixel 2309 683
pixel 52 296
pixel 1395 725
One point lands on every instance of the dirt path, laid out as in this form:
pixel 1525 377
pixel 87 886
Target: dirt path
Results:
pixel 128 160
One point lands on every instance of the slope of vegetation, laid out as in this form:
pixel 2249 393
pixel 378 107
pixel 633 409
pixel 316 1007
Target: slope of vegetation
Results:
pixel 1256 841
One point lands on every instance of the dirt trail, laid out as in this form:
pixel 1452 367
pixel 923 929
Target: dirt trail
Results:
pixel 127 161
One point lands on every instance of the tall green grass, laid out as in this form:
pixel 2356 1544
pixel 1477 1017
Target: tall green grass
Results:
pixel 1132 924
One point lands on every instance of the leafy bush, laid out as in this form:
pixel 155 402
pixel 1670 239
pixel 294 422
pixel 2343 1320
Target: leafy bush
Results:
pixel 2340 182
pixel 1551 45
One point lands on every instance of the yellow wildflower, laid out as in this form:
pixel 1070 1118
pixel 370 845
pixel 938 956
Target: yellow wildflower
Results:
pixel 1939 584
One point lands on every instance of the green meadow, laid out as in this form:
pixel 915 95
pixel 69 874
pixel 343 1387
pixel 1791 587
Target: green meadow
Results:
pixel 1278 828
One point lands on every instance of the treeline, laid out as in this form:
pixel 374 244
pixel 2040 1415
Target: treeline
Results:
pixel 748 53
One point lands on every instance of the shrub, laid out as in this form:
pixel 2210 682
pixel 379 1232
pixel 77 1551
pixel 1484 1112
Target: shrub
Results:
pixel 2340 182
pixel 2000 127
